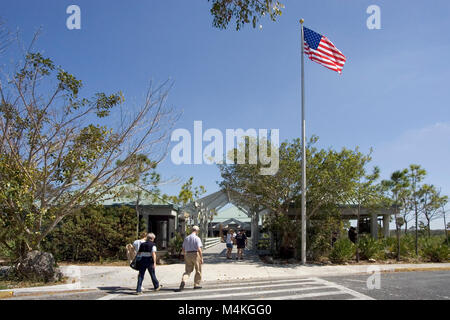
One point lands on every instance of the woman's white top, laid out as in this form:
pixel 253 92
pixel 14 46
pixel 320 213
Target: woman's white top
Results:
pixel 137 244
pixel 229 239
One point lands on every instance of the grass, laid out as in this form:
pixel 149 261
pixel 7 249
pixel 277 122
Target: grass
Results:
pixel 117 263
pixel 13 284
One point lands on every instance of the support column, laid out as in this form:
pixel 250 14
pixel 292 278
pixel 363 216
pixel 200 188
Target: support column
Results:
pixel 374 226
pixel 252 229
pixel 386 220
pixel 255 229
pixel 146 218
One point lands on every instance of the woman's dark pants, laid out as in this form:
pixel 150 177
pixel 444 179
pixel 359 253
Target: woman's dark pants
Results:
pixel 146 263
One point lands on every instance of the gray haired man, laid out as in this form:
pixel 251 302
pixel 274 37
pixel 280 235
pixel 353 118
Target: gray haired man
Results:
pixel 193 258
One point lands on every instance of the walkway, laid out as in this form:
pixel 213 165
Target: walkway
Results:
pixel 217 270
pixel 218 254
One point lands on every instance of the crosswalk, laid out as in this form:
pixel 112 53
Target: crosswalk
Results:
pixel 282 289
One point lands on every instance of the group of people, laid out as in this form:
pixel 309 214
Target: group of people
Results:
pixel 240 239
pixel 145 255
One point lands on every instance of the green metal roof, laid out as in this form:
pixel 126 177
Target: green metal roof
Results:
pixel 145 200
pixel 231 212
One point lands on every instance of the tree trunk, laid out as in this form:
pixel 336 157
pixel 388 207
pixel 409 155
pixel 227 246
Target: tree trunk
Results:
pixel 137 215
pixel 445 227
pixel 397 229
pixel 417 229
pixel 357 232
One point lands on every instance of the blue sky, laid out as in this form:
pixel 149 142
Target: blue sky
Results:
pixel 393 94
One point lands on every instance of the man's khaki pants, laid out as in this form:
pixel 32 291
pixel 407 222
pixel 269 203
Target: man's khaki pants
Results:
pixel 192 261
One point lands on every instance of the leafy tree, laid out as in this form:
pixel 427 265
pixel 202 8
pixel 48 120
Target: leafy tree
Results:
pixel 143 183
pixel 397 189
pixel 187 196
pixel 188 193
pixel 331 176
pixel 243 11
pixel 61 152
pixel 95 233
pixel 415 175
pixel 446 225
pixel 430 204
pixel 364 193
pixel 405 212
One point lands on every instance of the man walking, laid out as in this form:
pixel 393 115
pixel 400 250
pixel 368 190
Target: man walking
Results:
pixel 193 258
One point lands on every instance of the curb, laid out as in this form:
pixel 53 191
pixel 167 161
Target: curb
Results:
pixel 65 288
pixel 409 269
pixel 6 294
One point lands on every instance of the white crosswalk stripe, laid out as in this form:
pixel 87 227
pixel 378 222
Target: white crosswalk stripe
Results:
pixel 305 295
pixel 282 289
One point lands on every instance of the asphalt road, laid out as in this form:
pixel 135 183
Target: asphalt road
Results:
pixel 392 286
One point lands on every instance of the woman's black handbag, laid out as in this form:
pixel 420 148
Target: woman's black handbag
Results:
pixel 135 263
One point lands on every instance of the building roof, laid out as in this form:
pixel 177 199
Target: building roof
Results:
pixel 231 212
pixel 146 199
pixel 239 224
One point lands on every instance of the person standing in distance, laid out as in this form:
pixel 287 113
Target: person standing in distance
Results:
pixel 229 241
pixel 193 258
pixel 241 242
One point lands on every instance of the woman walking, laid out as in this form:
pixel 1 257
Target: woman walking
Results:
pixel 147 261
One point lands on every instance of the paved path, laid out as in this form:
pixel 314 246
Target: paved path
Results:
pixel 217 271
pixel 287 289
pixel 218 254
pixel 397 286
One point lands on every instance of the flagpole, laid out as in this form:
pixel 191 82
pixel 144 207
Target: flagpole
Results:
pixel 303 205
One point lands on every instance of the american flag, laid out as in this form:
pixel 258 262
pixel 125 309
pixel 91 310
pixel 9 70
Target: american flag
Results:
pixel 321 50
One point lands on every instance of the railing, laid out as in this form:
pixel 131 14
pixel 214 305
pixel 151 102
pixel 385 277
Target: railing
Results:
pixel 211 242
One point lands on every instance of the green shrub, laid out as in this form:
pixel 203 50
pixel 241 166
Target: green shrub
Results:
pixel 446 240
pixel 343 250
pixel 369 247
pixel 6 254
pixel 432 249
pixel 176 244
pixel 95 233
pixel 407 247
pixel 319 237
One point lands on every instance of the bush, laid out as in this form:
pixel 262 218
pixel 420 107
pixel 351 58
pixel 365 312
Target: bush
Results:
pixel 319 236
pixel 95 233
pixel 432 249
pixel 446 240
pixel 407 247
pixel 6 254
pixel 176 244
pixel 369 247
pixel 343 250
